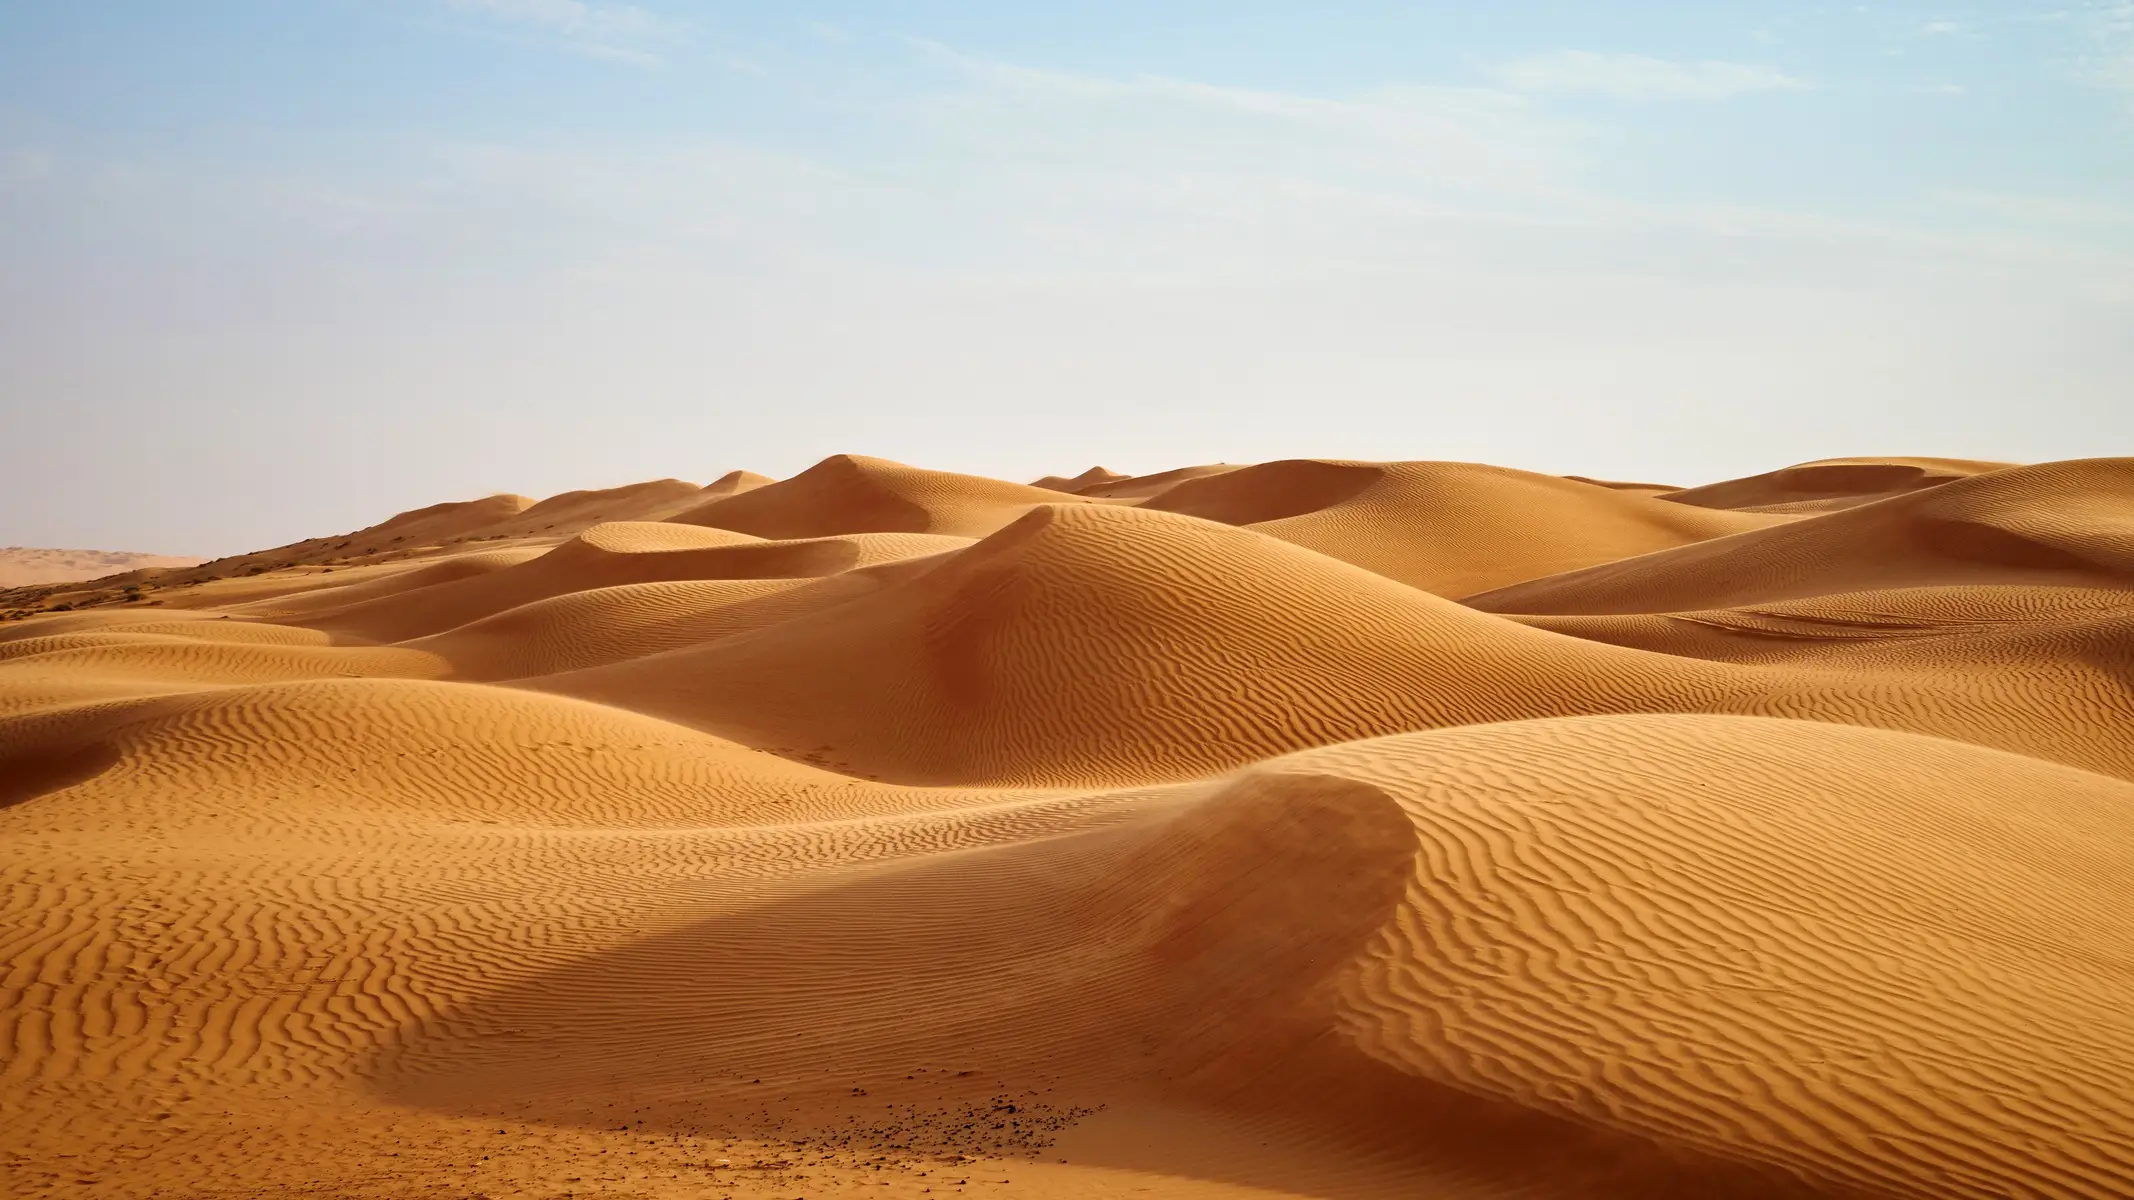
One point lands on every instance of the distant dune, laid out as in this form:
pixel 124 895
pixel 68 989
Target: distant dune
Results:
pixel 1308 828
pixel 23 566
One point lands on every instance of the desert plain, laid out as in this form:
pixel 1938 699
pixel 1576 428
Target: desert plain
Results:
pixel 1300 829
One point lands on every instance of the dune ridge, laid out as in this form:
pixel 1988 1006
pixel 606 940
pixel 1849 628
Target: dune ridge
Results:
pixel 851 494
pixel 1182 835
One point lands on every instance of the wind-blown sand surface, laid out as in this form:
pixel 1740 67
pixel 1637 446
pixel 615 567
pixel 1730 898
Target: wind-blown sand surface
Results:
pixel 1306 828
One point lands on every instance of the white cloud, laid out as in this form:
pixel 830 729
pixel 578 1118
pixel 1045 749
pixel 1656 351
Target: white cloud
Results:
pixel 2109 60
pixel 1161 172
pixel 2114 72
pixel 1639 77
pixel 2037 210
pixel 566 16
pixel 620 32
pixel 1157 128
pixel 830 31
pixel 1941 29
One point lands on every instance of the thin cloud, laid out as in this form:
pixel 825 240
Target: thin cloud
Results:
pixel 1639 77
pixel 2109 61
pixel 1457 135
pixel 2044 210
pixel 617 32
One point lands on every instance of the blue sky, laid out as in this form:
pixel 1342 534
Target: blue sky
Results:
pixel 270 270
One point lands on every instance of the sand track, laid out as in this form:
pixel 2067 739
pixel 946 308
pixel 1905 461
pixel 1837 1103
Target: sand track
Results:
pixel 894 830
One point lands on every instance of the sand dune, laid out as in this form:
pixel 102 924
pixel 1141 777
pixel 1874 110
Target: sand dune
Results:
pixel 1148 645
pixel 421 533
pixel 1624 485
pixel 849 494
pixel 1093 477
pixel 1941 628
pixel 1838 985
pixel 1832 483
pixel 441 522
pixel 619 553
pixel 570 512
pixel 2057 525
pixel 1141 487
pixel 1175 836
pixel 1449 528
pixel 1152 646
pixel 23 566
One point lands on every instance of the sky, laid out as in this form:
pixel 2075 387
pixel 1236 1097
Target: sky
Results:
pixel 272 269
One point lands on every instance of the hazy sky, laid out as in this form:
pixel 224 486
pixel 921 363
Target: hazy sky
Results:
pixel 277 268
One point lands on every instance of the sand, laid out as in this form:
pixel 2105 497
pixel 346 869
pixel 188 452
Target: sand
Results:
pixel 1306 828
pixel 25 566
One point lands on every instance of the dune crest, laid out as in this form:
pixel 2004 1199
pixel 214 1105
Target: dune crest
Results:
pixel 849 494
pixel 1093 477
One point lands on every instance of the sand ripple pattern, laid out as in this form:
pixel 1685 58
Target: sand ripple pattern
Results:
pixel 1855 954
pixel 1176 835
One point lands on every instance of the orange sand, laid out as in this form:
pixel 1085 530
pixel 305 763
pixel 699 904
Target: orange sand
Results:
pixel 1310 828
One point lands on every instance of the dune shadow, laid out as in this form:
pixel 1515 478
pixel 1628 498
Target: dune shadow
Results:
pixel 982 1002
pixel 897 1007
pixel 1977 541
pixel 28 775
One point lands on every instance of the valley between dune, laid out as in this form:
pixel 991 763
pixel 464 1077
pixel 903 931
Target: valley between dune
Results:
pixel 1298 829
